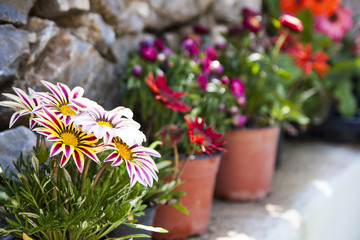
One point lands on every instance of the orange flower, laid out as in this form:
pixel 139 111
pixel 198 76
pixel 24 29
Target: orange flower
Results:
pixel 308 61
pixel 293 6
pixel 323 7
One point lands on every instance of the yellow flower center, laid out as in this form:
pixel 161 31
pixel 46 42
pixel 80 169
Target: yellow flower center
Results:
pixel 104 123
pixel 69 138
pixel 67 111
pixel 123 149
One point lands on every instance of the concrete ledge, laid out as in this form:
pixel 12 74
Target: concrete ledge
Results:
pixel 315 196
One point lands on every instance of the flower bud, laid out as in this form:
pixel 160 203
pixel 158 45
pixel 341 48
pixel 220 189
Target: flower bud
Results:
pixel 291 22
pixel 137 70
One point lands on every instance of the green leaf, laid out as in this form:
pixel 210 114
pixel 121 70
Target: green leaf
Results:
pixel 307 19
pixel 347 101
pixel 180 207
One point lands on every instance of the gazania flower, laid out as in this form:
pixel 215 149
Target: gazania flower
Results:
pixel 109 124
pixel 252 23
pixel 293 6
pixel 205 137
pixel 67 139
pixel 308 61
pixel 140 166
pixel 23 104
pixel 323 7
pixel 165 94
pixel 291 22
pixel 64 102
pixel 337 25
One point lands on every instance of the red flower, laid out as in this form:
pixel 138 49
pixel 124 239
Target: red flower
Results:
pixel 323 7
pixel 252 23
pixel 308 61
pixel 205 137
pixel 293 6
pixel 165 94
pixel 291 22
pixel 171 134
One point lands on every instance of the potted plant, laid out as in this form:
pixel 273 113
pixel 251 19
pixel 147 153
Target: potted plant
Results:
pixel 87 182
pixel 166 82
pixel 260 78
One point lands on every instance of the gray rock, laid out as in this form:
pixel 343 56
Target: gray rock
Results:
pixel 166 13
pixel 74 62
pixel 15 11
pixel 230 10
pixel 41 31
pixel 56 8
pixel 14 48
pixel 12 143
pixel 91 28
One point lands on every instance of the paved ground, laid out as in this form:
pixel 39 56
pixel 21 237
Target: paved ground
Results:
pixel 307 199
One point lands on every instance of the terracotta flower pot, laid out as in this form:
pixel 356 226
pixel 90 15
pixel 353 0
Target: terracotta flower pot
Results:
pixel 247 169
pixel 199 176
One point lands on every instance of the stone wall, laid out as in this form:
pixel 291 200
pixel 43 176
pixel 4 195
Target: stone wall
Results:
pixel 86 42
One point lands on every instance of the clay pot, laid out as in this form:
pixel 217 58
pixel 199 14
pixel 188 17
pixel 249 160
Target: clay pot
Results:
pixel 247 168
pixel 199 176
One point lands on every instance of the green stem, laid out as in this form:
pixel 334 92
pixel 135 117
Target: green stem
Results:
pixel 184 165
pixel 83 180
pixel 99 175
pixel 279 43
pixel 56 170
pixel 176 163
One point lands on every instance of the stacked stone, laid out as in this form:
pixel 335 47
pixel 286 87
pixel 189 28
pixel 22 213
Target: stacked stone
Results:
pixel 86 42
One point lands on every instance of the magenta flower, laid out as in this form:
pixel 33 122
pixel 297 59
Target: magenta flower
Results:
pixel 225 80
pixel 159 44
pixel 246 11
pixel 202 79
pixel 149 53
pixel 206 64
pixel 216 67
pixel 237 88
pixel 222 107
pixel 337 25
pixel 221 46
pixel 211 52
pixel 201 28
pixel 239 120
pixel 242 101
pixel 190 47
pixel 234 110
pixel 137 69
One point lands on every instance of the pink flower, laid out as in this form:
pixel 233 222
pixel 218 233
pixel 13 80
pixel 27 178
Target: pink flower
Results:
pixel 225 80
pixel 149 53
pixel 216 67
pixel 137 69
pixel 222 107
pixel 291 22
pixel 234 110
pixel 242 101
pixel 206 64
pixel 237 87
pixel 190 47
pixel 211 52
pixel 202 79
pixel 336 25
pixel 239 120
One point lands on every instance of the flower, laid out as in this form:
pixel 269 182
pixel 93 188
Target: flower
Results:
pixel 237 87
pixel 307 60
pixel 293 6
pixel 23 104
pixel 252 23
pixel 323 7
pixel 249 11
pixel 202 79
pixel 109 124
pixel 291 22
pixel 205 137
pixel 201 28
pixel 165 94
pixel 140 166
pixel 149 53
pixel 171 134
pixel 159 44
pixel 137 70
pixel 64 102
pixel 239 120
pixel 67 139
pixel 336 25
pixel 211 52
pixel 190 47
